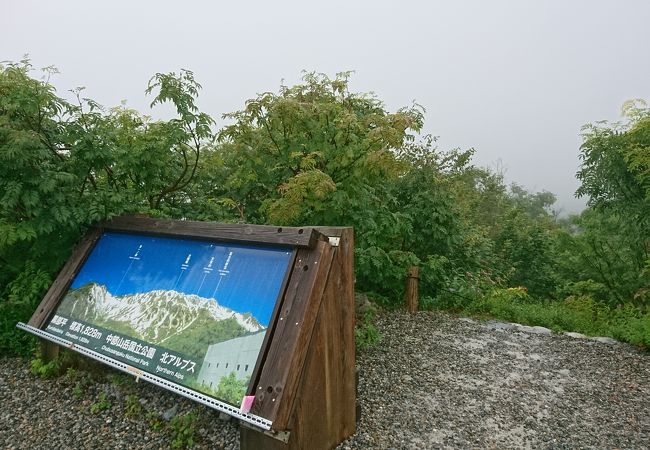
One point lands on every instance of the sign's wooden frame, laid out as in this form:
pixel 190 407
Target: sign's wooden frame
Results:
pixel 304 379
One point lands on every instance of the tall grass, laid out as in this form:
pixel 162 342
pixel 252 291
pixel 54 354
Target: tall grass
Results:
pixel 580 314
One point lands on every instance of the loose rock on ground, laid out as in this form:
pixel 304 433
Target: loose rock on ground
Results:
pixel 434 381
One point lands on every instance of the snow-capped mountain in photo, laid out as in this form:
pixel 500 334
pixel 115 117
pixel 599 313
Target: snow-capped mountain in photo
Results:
pixel 156 316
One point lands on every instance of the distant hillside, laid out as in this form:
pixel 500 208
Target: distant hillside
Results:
pixel 180 322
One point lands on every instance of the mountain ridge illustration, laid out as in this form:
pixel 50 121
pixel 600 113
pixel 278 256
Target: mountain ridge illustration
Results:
pixel 182 322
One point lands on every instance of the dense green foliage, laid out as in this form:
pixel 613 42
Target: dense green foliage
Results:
pixel 614 234
pixel 231 389
pixel 316 153
pixel 183 430
pixel 64 166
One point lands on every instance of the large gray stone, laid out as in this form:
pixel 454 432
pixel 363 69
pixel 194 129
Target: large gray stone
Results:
pixel 170 413
pixel 496 325
pixel 533 330
pixel 575 335
pixel 604 340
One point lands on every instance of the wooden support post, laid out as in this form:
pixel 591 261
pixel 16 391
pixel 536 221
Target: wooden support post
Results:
pixel 318 408
pixel 411 298
pixel 49 351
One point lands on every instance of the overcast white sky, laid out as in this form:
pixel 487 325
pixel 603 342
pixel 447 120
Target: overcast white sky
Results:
pixel 514 79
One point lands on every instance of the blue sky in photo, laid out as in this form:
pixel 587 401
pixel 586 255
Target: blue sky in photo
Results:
pixel 244 278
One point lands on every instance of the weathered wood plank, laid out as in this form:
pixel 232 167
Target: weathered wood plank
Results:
pixel 251 439
pixel 324 412
pixel 49 351
pixel 64 278
pixel 345 297
pixel 331 231
pixel 263 234
pixel 286 355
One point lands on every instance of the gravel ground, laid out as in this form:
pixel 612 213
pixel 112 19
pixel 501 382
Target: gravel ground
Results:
pixel 58 413
pixel 435 381
pixel 440 382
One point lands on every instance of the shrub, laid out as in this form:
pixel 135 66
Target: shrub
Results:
pixel 366 333
pixel 183 429
pixel 46 370
pixel 22 296
pixel 133 408
pixel 101 404
pixel 580 314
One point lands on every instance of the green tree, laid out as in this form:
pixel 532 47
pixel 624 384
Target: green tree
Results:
pixel 527 252
pixel 317 153
pixel 615 176
pixel 311 152
pixel 231 389
pixel 598 260
pixel 66 165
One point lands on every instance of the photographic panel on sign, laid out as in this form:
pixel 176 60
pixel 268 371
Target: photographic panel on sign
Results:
pixel 195 312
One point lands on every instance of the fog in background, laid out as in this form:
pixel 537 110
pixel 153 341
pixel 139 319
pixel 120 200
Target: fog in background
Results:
pixel 516 80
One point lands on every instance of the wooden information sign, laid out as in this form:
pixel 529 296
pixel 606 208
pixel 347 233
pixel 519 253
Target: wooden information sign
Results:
pixel 254 321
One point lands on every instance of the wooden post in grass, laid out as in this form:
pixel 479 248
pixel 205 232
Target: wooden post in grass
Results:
pixel 49 351
pixel 411 298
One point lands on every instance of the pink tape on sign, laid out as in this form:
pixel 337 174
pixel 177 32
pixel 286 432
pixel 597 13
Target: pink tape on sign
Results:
pixel 247 403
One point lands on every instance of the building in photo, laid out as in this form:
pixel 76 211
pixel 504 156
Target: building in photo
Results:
pixel 235 355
